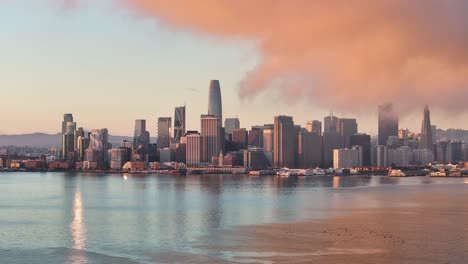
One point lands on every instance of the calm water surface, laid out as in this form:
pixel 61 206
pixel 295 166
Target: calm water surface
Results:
pixel 113 218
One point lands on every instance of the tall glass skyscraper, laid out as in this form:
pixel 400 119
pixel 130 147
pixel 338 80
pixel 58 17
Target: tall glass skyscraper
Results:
pixel 164 132
pixel 388 123
pixel 141 136
pixel 68 135
pixel 211 133
pixel 179 123
pixel 426 131
pixel 215 106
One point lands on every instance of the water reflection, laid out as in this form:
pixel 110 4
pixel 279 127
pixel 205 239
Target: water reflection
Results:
pixel 78 230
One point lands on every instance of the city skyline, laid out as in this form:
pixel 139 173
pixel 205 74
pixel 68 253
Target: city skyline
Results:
pixel 93 71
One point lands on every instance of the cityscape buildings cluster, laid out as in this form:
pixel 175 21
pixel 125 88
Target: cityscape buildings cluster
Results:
pixel 337 143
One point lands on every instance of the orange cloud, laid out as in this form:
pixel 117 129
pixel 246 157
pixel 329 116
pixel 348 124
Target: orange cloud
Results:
pixel 340 53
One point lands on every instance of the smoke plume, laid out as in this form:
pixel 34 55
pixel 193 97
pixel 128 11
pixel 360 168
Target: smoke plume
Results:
pixel 340 53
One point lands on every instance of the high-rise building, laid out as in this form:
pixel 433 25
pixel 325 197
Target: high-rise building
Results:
pixel 215 106
pixel 314 126
pixel 347 127
pixel 179 123
pixel 268 139
pixel 403 133
pixel 141 136
pixel 331 141
pixel 426 131
pixel 99 144
pixel 256 137
pixel 66 118
pixel 230 124
pixel 347 158
pixel 388 123
pixel 82 145
pixel 211 137
pixel 68 140
pixel 330 123
pixel 364 141
pixel 434 134
pixel 310 149
pixel 164 132
pixel 284 143
pixel 194 148
pixel 79 132
pixel 240 137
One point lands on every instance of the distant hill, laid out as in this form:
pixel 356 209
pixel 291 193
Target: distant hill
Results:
pixel 452 134
pixel 47 140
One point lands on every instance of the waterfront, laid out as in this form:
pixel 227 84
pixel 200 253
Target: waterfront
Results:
pixel 92 218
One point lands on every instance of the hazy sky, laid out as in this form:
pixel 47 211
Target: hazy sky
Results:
pixel 110 64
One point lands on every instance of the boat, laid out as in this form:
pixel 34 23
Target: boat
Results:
pixel 284 173
pixel 438 174
pixel 318 171
pixel 396 173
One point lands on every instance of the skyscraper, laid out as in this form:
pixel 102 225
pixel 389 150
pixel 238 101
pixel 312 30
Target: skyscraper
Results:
pixel 230 124
pixel 364 141
pixel 66 118
pixel 194 148
pixel 426 131
pixel 347 127
pixel 164 132
pixel 331 123
pixel 179 123
pixel 211 137
pixel 99 144
pixel 68 135
pixel 215 106
pixel 310 149
pixel 388 123
pixel 240 136
pixel 330 141
pixel 284 143
pixel 141 136
pixel 314 126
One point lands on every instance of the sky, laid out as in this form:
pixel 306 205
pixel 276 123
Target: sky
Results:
pixel 110 62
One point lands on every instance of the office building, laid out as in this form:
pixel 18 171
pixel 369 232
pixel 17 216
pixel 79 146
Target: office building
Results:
pixel 211 137
pixel 215 106
pixel 310 149
pixel 194 148
pixel 230 124
pixel 99 144
pixel 347 127
pixel 119 157
pixel 331 124
pixel 314 126
pixel 388 123
pixel 403 133
pixel 68 140
pixel 240 137
pixel 254 158
pixel 179 123
pixel 347 158
pixel 426 131
pixel 141 137
pixel 164 132
pixel 256 137
pixel 422 157
pixel 399 157
pixel 330 141
pixel 284 142
pixel 434 134
pixel 364 141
